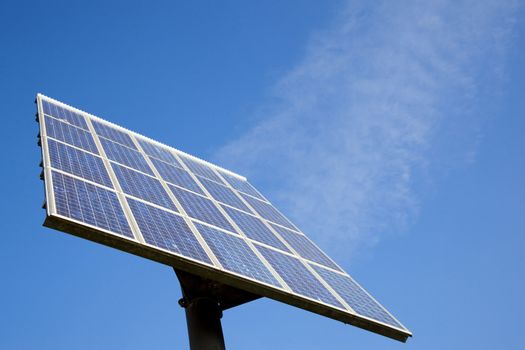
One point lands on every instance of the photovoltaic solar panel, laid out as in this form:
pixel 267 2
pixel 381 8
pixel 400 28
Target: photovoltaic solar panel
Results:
pixel 304 247
pixel 113 134
pixel 235 255
pixel 356 297
pixel 267 211
pixel 77 162
pixel 201 208
pixel 64 114
pixel 89 204
pixel 160 153
pixel 298 278
pixel 167 231
pixel 254 228
pixel 224 194
pixel 176 176
pixel 201 169
pixel 116 187
pixel 142 186
pixel 242 185
pixel 70 134
pixel 126 156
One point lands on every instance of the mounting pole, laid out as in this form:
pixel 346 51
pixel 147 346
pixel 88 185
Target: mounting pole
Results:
pixel 203 312
pixel 204 300
pixel 203 317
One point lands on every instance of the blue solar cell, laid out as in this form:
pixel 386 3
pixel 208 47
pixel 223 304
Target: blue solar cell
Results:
pixel 78 163
pixel 158 152
pixel 176 176
pixel 304 247
pixel 89 204
pixel 142 186
pixel 235 255
pixel 298 277
pixel 224 194
pixel 66 115
pixel 200 169
pixel 126 156
pixel 167 230
pixel 242 185
pixel 70 134
pixel 254 228
pixel 267 211
pixel 356 297
pixel 201 208
pixel 113 134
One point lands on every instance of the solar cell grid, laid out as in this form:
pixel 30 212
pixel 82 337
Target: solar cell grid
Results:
pixel 78 163
pixel 142 186
pixel 126 156
pixel 113 134
pixel 176 176
pixel 254 228
pixel 235 255
pixel 304 247
pixel 70 134
pixel 201 208
pixel 268 212
pixel 241 185
pixel 200 169
pixel 64 114
pixel 197 211
pixel 297 277
pixel 224 194
pixel 356 297
pixel 167 231
pixel 160 153
pixel 89 204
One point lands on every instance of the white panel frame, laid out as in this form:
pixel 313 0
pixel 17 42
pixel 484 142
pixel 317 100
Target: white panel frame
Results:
pixel 46 161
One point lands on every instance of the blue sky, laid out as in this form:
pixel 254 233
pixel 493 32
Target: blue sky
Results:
pixel 393 131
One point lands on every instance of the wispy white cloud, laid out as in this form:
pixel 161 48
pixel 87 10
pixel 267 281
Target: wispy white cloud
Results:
pixel 368 108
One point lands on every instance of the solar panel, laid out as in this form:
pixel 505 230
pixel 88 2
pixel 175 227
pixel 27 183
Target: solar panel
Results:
pixel 201 208
pixel 89 204
pixel 70 134
pixel 113 134
pixel 224 194
pixel 64 114
pixel 235 255
pixel 176 176
pixel 142 186
pixel 116 187
pixel 241 185
pixel 160 153
pixel 298 277
pixel 77 162
pixel 254 228
pixel 304 247
pixel 356 297
pixel 200 169
pixel 167 231
pixel 267 211
pixel 125 156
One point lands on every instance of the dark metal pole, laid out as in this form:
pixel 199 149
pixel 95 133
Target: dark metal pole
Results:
pixel 204 301
pixel 203 317
pixel 203 312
